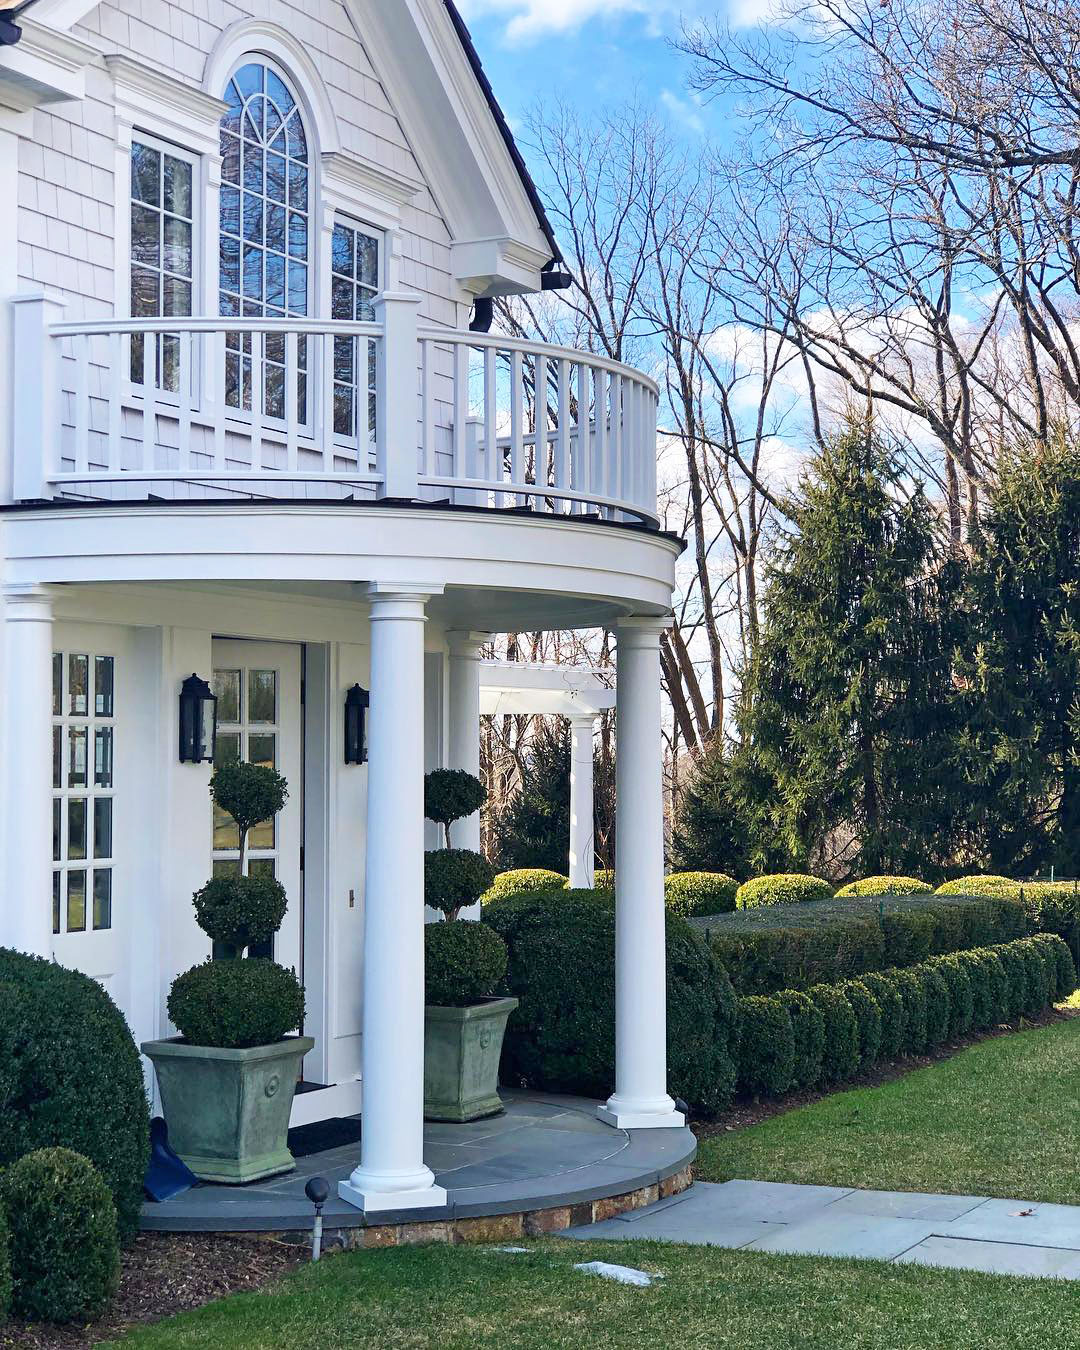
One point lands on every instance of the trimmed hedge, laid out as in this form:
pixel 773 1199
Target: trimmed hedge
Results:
pixel 893 1012
pixel 884 886
pixel 1050 906
pixel 822 942
pixel 562 968
pixel 65 1254
pixel 978 885
pixel 782 888
pixel 691 893
pixel 522 880
pixel 70 1076
pixel 767 1057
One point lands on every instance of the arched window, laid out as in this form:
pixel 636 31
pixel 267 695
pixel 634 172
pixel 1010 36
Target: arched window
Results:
pixel 265 229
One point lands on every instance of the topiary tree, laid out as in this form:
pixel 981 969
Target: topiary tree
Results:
pixel 464 963
pixel 241 912
pixel 455 878
pixel 250 793
pixel 692 893
pixel 65 1254
pixel 884 886
pixel 233 1005
pixel 450 795
pixel 71 1076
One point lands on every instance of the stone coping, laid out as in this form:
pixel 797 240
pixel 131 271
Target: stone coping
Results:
pixel 544 1165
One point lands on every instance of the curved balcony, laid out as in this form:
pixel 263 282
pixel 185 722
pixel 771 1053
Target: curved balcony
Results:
pixel 313 410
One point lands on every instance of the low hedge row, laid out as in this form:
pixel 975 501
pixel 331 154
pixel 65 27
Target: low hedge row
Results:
pixel 834 1031
pixel 820 942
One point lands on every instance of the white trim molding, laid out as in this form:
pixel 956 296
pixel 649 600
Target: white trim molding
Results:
pixel 164 106
pixel 45 67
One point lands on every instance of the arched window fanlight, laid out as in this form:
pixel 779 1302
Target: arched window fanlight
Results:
pixel 265 228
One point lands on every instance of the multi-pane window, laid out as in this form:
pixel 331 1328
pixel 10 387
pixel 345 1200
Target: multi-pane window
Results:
pixel 264 231
pixel 354 286
pixel 248 730
pixel 162 256
pixel 83 786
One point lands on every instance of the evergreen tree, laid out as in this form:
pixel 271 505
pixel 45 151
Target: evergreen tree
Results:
pixel 847 710
pixel 534 829
pixel 708 833
pixel 1024 664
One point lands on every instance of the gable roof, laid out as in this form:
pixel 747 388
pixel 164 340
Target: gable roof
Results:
pixel 527 180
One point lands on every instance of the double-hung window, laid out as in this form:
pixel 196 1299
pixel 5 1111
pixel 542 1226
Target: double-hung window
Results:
pixel 162 252
pixel 354 286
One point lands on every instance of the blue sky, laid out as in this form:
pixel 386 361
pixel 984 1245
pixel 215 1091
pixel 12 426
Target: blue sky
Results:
pixel 587 52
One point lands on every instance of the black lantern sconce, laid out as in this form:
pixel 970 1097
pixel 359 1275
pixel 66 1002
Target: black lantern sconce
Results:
pixel 357 702
pixel 198 722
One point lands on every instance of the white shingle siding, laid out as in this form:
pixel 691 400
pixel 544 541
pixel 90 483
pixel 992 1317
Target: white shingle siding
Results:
pixel 66 191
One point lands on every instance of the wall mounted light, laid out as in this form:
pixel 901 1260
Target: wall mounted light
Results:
pixel 357 702
pixel 10 10
pixel 198 722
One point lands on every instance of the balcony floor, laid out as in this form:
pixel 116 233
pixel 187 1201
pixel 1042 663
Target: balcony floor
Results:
pixel 545 1152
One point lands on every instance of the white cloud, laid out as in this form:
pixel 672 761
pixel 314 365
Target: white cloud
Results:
pixel 684 110
pixel 531 19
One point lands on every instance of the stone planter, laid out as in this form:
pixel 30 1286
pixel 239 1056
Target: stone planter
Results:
pixel 228 1110
pixel 462 1049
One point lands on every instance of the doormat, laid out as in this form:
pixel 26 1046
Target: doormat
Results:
pixel 322 1135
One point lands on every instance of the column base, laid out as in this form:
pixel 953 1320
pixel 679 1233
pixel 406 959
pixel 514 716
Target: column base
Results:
pixel 649 1114
pixel 374 1193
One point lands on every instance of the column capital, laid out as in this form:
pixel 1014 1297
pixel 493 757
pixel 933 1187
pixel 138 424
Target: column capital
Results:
pixel 399 600
pixel 582 719
pixel 466 642
pixel 27 602
pixel 642 630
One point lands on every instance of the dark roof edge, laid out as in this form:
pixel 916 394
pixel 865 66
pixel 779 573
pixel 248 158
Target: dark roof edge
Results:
pixel 526 177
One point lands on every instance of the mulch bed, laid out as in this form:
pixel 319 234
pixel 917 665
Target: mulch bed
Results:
pixel 166 1273
pixel 746 1111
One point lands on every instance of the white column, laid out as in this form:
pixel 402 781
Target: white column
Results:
pixel 392 1174
pixel 640 1100
pixel 463 747
pixel 582 862
pixel 26 868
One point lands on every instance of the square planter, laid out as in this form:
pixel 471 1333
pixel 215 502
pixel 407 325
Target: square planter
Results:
pixel 228 1110
pixel 462 1049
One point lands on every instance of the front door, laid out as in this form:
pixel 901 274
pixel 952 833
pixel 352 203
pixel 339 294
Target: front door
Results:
pixel 258 690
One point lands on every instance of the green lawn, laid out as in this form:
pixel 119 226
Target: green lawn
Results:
pixel 471 1298
pixel 997 1119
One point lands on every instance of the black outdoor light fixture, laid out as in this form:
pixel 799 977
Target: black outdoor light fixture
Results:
pixel 357 701
pixel 10 10
pixel 198 721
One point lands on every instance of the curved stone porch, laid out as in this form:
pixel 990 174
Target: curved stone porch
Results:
pixel 545 1165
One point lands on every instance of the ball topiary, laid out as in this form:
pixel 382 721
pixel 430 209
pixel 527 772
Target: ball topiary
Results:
pixel 240 912
pixel 65 1253
pixel 766 1046
pixel 233 1005
pixel 884 886
pixel 781 888
pixel 464 963
pixel 691 893
pixel 808 1028
pixel 981 885
pixel 452 794
pixel 520 880
pixel 868 1020
pixel 455 878
pixel 840 1057
pixel 562 968
pixel 70 1075
pixel 250 793
pixel 5 1267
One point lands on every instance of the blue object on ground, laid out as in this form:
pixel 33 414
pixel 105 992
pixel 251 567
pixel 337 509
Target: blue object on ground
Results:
pixel 168 1174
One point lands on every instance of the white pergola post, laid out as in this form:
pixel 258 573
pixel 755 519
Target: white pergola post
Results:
pixel 640 1100
pixel 392 1173
pixel 582 859
pixel 26 870
pixel 463 700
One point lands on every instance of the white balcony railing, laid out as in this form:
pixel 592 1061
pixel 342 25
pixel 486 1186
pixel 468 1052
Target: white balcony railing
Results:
pixel 304 409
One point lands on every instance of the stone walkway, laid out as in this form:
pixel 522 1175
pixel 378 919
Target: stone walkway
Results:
pixel 1004 1237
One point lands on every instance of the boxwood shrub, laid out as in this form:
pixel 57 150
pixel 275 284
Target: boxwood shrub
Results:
pixel 912 992
pixel 960 1000
pixel 464 962
pixel 65 1252
pixel 1065 977
pixel 883 985
pixel 808 1029
pixel 767 1056
pixel 979 885
pixel 884 886
pixel 1015 968
pixel 691 893
pixel 779 947
pixel 782 888
pixel 604 879
pixel 70 1076
pixel 562 967
pixel 840 1057
pixel 521 880
pixel 868 1021
pixel 236 1004
pixel 938 1006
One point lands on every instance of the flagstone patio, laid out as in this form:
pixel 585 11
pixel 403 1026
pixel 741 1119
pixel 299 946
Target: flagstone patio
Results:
pixel 543 1154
